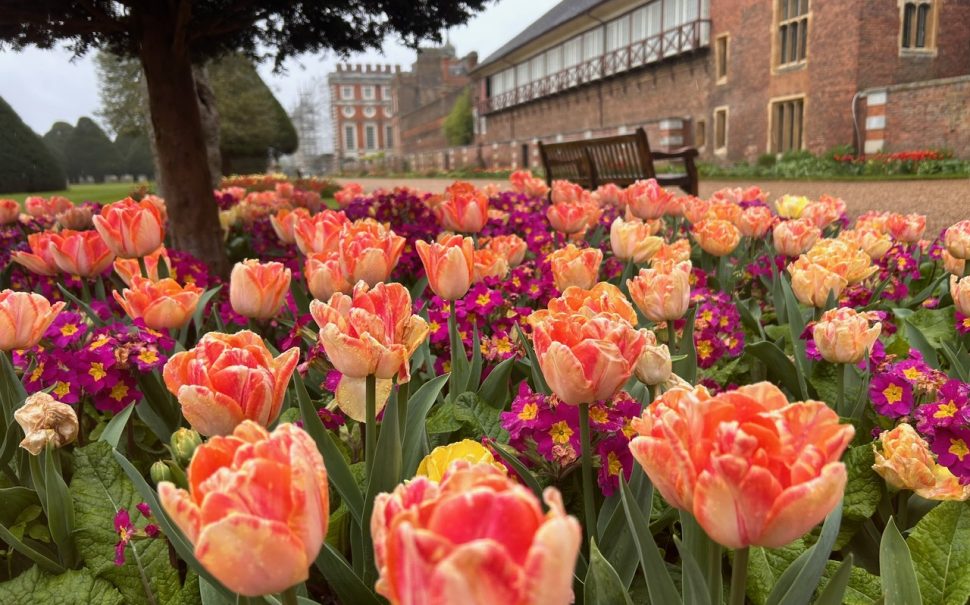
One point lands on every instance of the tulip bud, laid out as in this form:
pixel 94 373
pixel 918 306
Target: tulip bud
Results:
pixel 46 420
pixel 957 240
pixel 960 291
pixel 654 366
pixel 159 472
pixel 183 442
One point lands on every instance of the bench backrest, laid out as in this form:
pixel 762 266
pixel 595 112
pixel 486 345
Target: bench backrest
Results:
pixel 621 159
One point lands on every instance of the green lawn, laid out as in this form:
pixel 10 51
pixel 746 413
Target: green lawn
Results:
pixel 102 193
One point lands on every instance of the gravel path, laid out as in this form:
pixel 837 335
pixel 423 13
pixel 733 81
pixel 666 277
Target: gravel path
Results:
pixel 943 201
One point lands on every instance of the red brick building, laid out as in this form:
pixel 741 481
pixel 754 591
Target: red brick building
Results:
pixel 362 110
pixel 735 78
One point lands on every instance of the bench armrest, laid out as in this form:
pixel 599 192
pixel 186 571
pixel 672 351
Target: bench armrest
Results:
pixel 683 152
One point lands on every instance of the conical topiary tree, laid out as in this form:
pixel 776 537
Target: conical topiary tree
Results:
pixel 25 162
pixel 56 140
pixel 90 153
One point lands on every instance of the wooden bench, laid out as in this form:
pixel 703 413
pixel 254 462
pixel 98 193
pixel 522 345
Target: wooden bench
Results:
pixel 621 160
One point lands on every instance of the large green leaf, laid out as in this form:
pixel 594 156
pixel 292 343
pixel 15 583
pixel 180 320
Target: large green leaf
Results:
pixel 863 491
pixel 603 585
pixel 415 436
pixel 69 588
pixel 495 388
pixel 659 583
pixel 940 547
pixel 348 587
pixel 472 410
pixel 100 489
pixel 899 583
pixel 798 583
pixel 936 325
pixel 781 370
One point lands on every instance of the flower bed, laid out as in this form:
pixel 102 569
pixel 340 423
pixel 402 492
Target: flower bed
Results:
pixel 485 397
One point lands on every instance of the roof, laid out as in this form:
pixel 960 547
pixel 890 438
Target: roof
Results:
pixel 565 11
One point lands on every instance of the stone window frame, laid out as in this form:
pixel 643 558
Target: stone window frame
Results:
pixel 376 145
pixel 771 121
pixel 722 149
pixel 931 27
pixel 721 58
pixel 344 95
pixel 352 140
pixel 700 133
pixel 777 23
pixel 367 92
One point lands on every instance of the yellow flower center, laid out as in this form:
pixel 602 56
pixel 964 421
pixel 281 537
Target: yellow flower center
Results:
pixel 704 349
pixel 912 374
pixel 560 432
pixel 503 345
pixel 893 393
pixel 100 342
pixel 482 299
pixel 598 415
pixel 119 391
pixel 148 356
pixel 529 411
pixel 615 466
pixel 69 329
pixel 61 388
pixel 96 371
pixel 947 410
pixel 958 447
pixel 434 327
pixel 35 375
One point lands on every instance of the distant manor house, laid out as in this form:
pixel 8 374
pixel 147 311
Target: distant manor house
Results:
pixel 735 78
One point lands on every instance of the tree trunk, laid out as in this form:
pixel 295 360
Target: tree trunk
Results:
pixel 183 165
pixel 209 114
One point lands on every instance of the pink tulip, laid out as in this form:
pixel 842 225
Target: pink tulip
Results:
pixel 130 229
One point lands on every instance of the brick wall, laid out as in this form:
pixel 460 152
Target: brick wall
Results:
pixel 422 129
pixel 919 115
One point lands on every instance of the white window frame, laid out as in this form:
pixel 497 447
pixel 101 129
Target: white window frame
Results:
pixel 386 93
pixel 350 142
pixel 370 127
pixel 367 92
pixel 346 92
pixel 388 136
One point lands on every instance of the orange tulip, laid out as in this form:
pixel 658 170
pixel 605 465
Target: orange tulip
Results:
pixel 957 240
pixel 40 259
pixel 842 257
pixel 348 193
pixel 510 247
pixel 257 290
pixel 716 236
pixel 162 304
pixel 821 214
pixel 489 264
pixel 323 275
pixel 755 221
pixel 368 251
pixel 47 207
pixel 127 268
pixel 566 192
pixel 257 507
pixel 131 229
pixel 655 365
pixel 695 209
pixel 573 217
pixel 476 538
pixel 9 211
pixel 870 241
pixel 843 335
pixel 464 208
pixel 24 317
pixel 960 291
pixel 228 378
pixel 604 297
pixel 284 222
pixel 725 211
pixel 677 251
pixel 632 240
pixel 80 253
pixel 320 232
pixel 523 182
pixel 753 468
pixel 647 200
pixel 662 292
pixel 905 461
pixel 449 265
pixel 812 283
pixel 371 332
pixel 609 195
pixel 586 359
pixel 572 266
pixel 76 218
pixel 794 237
pixel 906 228
pixel 951 264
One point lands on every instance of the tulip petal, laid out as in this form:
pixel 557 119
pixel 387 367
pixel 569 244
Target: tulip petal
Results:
pixel 180 507
pixel 801 507
pixel 552 558
pixel 477 573
pixel 209 412
pixel 252 556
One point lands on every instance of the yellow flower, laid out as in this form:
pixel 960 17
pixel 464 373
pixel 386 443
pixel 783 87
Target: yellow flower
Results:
pixel 791 206
pixel 437 462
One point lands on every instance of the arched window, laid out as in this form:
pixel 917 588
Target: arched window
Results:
pixel 917 25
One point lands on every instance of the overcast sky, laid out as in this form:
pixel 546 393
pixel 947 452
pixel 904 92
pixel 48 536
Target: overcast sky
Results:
pixel 47 86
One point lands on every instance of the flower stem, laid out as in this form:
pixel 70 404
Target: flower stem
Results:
pixel 370 435
pixel 143 267
pixel 289 596
pixel 739 576
pixel 589 501
pixel 840 386
pixel 403 392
